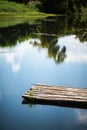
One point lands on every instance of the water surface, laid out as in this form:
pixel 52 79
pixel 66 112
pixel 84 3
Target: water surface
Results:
pixel 51 51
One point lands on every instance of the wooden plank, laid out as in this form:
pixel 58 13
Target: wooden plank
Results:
pixel 56 95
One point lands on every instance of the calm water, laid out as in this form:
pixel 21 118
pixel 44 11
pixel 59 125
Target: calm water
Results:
pixel 51 51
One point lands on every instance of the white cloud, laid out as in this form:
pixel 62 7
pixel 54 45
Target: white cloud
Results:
pixel 81 116
pixel 15 60
pixel 14 55
pixel 76 51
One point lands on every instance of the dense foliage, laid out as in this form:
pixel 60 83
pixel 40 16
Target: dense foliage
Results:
pixel 22 1
pixel 63 6
pixel 58 6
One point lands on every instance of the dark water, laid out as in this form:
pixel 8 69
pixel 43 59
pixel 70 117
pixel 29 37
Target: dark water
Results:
pixel 51 51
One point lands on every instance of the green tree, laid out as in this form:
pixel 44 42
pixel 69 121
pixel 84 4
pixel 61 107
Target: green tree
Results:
pixel 83 3
pixel 63 6
pixel 20 1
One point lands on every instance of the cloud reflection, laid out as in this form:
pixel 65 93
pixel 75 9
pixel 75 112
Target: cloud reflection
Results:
pixel 81 116
pixel 14 55
pixel 15 60
pixel 76 51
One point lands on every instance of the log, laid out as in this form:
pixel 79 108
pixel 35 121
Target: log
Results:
pixel 56 95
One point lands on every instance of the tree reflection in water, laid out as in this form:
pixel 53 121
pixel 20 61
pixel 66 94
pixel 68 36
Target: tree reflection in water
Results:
pixel 53 49
pixel 48 31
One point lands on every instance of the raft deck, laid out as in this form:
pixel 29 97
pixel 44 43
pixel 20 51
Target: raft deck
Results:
pixel 56 95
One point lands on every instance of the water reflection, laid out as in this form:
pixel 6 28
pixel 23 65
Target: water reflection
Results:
pixel 14 56
pixel 67 47
pixel 0 96
pixel 76 50
pixel 81 116
pixel 49 33
pixel 53 50
pixel 27 55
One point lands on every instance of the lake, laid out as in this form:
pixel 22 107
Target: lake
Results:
pixel 49 51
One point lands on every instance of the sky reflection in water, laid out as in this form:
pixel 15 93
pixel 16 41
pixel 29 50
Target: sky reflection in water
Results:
pixel 25 64
pixel 76 51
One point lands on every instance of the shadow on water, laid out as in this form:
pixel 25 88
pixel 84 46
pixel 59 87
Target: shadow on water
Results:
pixel 48 31
pixel 72 104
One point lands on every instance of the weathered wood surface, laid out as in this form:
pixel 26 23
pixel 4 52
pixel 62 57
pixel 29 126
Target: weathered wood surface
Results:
pixel 45 94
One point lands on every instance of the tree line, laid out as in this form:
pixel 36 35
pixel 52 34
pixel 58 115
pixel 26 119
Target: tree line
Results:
pixel 63 6
pixel 23 1
pixel 58 6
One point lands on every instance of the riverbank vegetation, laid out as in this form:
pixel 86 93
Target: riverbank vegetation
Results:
pixel 63 6
pixel 41 8
pixel 13 9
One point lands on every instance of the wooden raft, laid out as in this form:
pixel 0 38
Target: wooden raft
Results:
pixel 56 95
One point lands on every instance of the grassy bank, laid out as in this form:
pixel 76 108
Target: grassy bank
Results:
pixel 12 9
